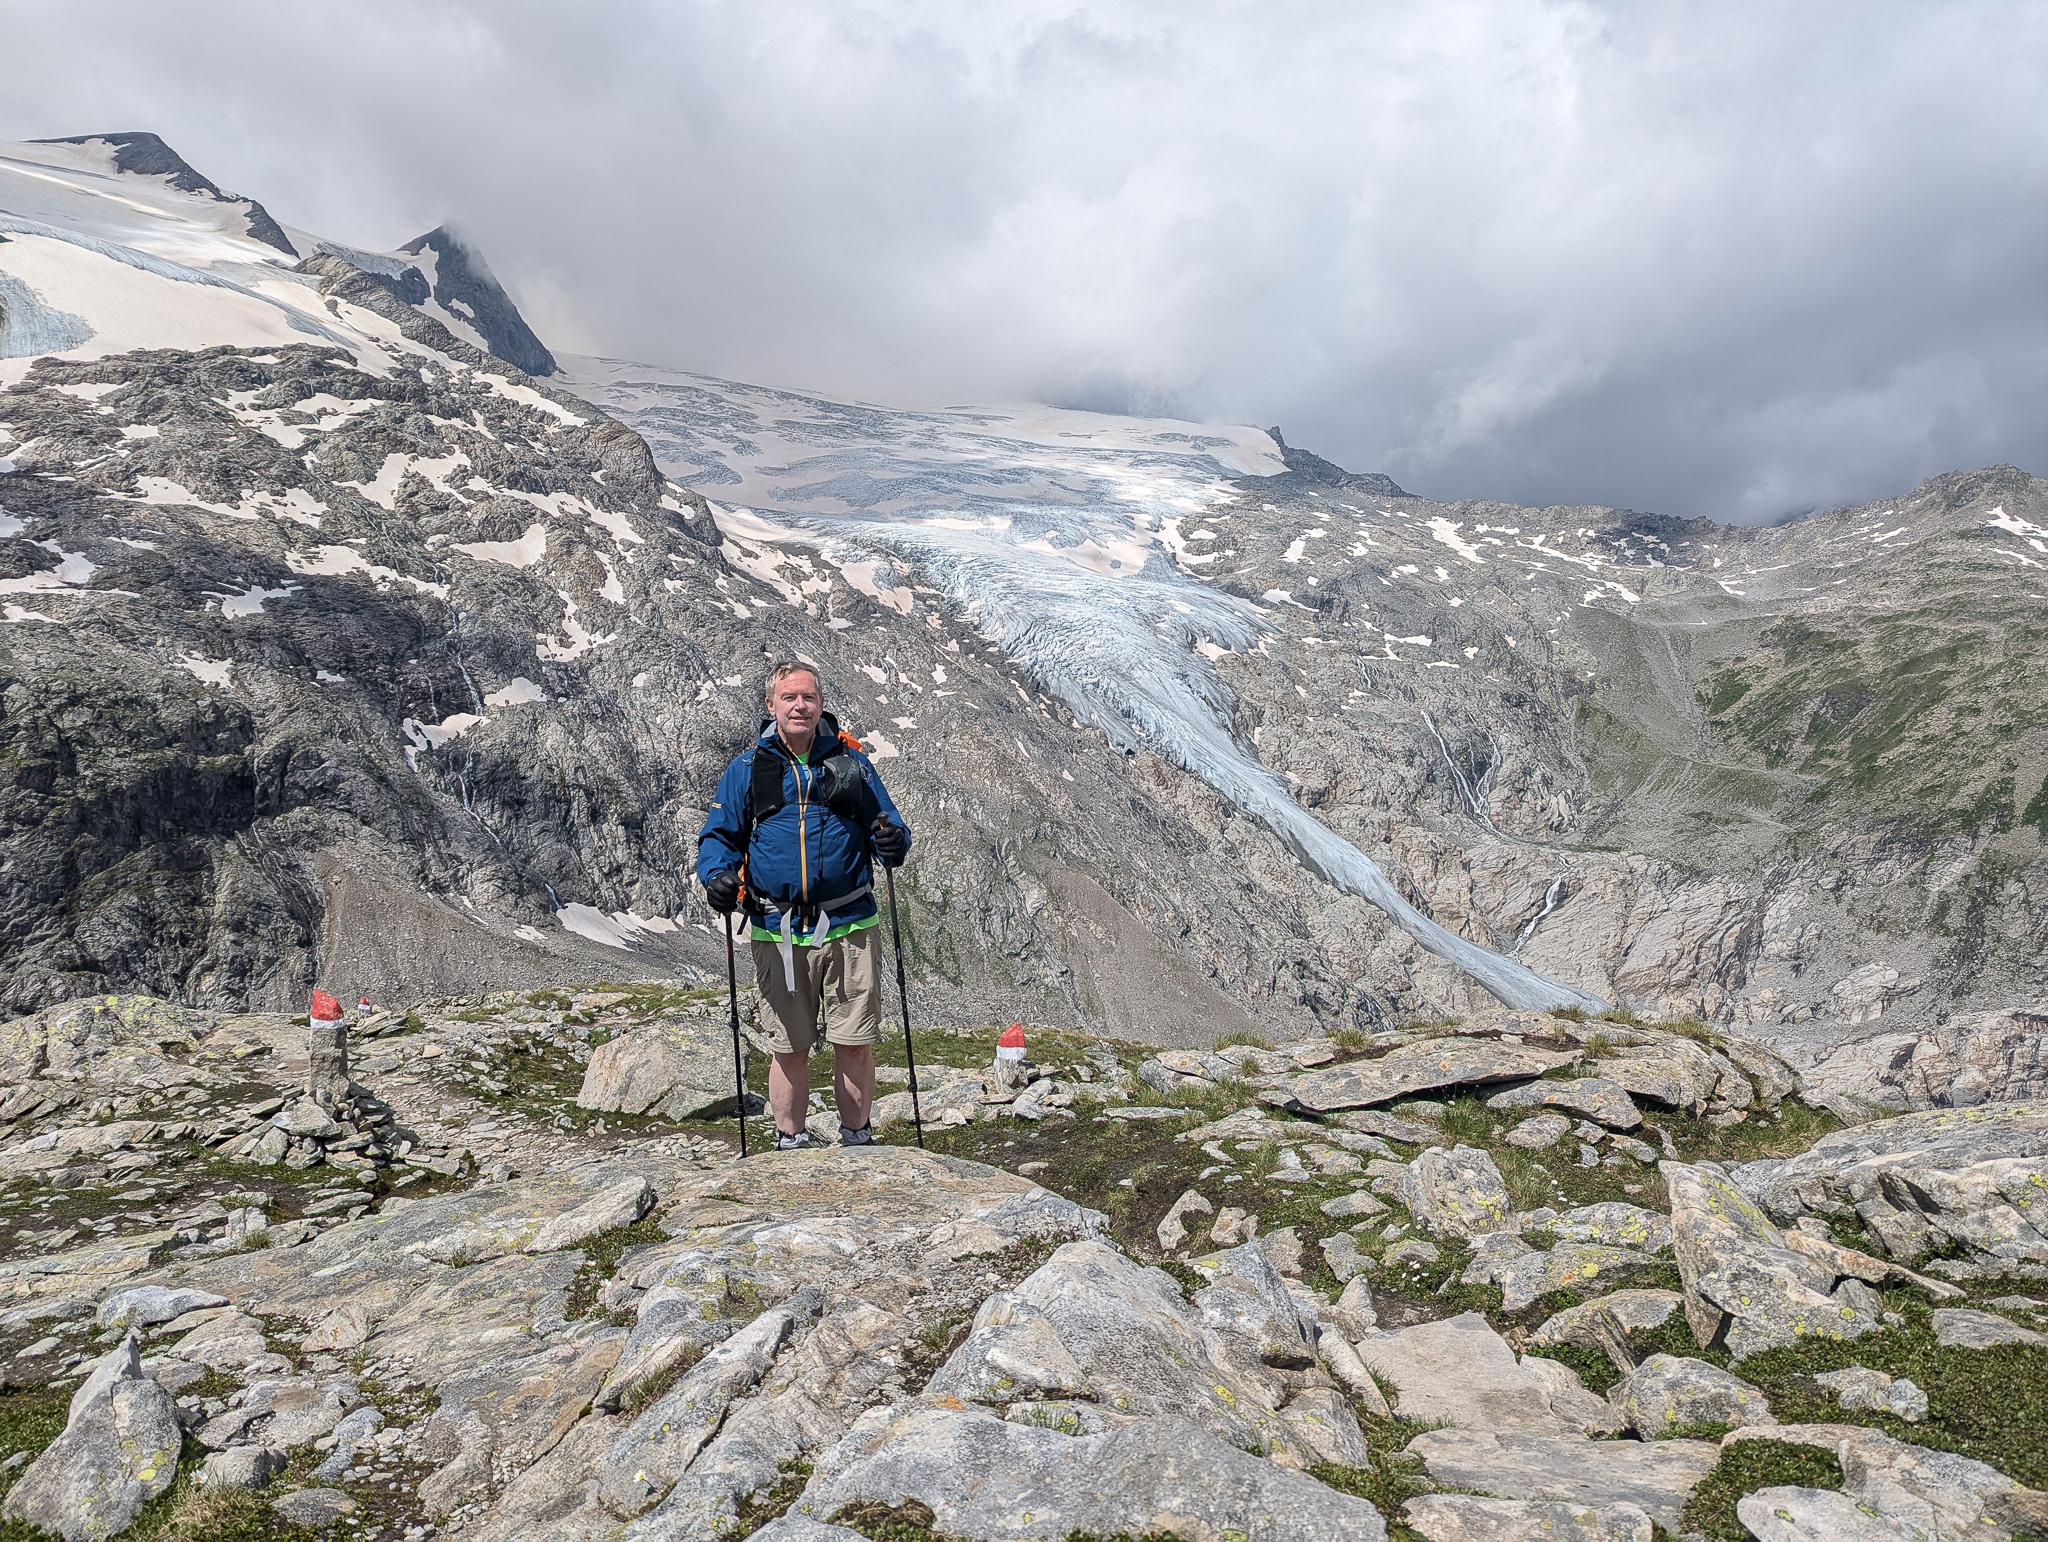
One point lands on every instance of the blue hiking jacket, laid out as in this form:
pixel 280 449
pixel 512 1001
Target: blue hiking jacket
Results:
pixel 804 854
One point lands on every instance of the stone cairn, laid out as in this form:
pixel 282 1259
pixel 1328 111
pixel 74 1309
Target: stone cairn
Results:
pixel 336 1120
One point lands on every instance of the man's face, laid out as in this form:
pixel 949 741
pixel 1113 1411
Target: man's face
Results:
pixel 794 702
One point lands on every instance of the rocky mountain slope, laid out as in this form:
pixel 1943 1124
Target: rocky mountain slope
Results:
pixel 352 636
pixel 1599 1283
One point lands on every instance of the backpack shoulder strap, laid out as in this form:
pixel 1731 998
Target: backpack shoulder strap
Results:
pixel 764 791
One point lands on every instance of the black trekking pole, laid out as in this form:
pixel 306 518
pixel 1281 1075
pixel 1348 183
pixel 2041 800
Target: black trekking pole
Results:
pixel 903 995
pixel 739 1063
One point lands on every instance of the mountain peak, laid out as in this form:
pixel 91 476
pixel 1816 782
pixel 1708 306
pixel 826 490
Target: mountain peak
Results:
pixel 139 154
pixel 1310 469
pixel 464 285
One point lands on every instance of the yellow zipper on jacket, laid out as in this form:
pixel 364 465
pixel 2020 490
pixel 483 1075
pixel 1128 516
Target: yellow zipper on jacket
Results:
pixel 803 826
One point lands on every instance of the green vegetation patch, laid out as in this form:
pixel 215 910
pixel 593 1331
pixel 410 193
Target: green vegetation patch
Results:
pixel 1747 1466
pixel 601 1254
pixel 30 1418
pixel 771 1503
pixel 1988 1404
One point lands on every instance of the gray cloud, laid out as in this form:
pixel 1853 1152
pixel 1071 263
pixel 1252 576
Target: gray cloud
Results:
pixel 1734 259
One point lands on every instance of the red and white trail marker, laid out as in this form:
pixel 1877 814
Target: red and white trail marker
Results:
pixel 1011 1045
pixel 325 1008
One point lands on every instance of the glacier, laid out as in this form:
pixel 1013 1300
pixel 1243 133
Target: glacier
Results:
pixel 1057 533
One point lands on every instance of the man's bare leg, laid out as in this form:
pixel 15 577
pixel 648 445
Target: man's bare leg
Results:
pixel 853 1083
pixel 789 1090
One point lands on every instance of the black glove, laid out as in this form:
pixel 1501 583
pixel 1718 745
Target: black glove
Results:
pixel 892 842
pixel 723 891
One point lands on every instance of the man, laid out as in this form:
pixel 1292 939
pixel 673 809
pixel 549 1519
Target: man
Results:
pixel 788 838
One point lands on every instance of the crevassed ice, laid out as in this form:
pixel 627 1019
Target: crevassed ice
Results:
pixel 1045 527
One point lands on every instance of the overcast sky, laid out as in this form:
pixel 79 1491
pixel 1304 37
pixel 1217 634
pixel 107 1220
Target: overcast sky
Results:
pixel 1732 259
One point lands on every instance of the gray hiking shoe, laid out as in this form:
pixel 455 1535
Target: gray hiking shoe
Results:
pixel 864 1136
pixel 801 1141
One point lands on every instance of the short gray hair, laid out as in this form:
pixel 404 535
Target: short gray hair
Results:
pixel 790 667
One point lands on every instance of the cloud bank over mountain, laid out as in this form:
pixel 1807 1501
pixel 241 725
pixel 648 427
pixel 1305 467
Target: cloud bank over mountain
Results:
pixel 1737 260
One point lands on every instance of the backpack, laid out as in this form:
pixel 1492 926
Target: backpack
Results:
pixel 849 795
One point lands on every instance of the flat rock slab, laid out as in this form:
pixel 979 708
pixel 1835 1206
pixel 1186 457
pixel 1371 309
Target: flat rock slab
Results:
pixel 1377 1121
pixel 1460 1369
pixel 1413 1068
pixel 1655 1476
pixel 984 1477
pixel 1637 1311
pixel 379 1260
pixel 1674 1072
pixel 1790 1514
pixel 867 1186
pixel 314 1508
pixel 1944 1137
pixel 1568 1266
pixel 1615 1225
pixel 1590 1097
pixel 801 1528
pixel 1958 1328
pixel 1471 1518
pixel 149 1304
pixel 84 1271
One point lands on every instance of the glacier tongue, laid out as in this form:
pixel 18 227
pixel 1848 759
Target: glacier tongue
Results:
pixel 1052 531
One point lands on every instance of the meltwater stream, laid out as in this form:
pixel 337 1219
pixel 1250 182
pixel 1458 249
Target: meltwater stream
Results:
pixel 1056 533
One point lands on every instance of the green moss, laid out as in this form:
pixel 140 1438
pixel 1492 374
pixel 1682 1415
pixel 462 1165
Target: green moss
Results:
pixel 771 1503
pixel 911 1521
pixel 1989 1404
pixel 1747 1466
pixel 30 1418
pixel 601 1254
pixel 1392 1477
pixel 649 1390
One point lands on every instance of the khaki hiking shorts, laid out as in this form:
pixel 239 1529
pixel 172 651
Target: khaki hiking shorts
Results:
pixel 838 987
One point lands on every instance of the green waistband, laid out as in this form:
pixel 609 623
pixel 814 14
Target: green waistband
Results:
pixel 803 939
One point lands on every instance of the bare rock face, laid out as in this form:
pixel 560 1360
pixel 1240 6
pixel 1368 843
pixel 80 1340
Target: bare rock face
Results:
pixel 1972 1058
pixel 984 1476
pixel 119 1450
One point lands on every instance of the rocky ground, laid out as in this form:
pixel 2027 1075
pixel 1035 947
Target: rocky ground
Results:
pixel 498 1274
